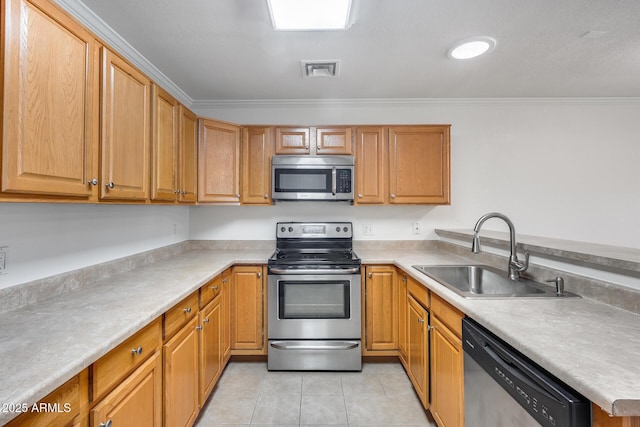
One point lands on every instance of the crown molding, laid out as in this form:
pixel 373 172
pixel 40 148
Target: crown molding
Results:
pixel 110 37
pixel 398 102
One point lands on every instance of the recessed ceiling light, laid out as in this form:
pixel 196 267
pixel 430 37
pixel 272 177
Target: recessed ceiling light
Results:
pixel 472 48
pixel 309 14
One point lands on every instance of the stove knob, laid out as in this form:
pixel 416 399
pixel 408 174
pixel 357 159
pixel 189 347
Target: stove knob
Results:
pixel 345 229
pixel 282 229
pixel 290 229
pixel 338 229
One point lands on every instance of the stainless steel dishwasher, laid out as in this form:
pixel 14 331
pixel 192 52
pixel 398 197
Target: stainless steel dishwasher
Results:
pixel 503 388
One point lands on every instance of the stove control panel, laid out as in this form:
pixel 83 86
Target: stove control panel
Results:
pixel 314 230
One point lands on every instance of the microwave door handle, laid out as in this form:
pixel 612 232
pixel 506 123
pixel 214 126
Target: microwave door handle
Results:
pixel 333 181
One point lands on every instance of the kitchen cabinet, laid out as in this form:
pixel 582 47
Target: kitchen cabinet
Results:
pixel 66 406
pixel 218 162
pixel 248 310
pixel 125 130
pixel 381 310
pixel 601 419
pixel 164 146
pixel 371 165
pixel 418 348
pixel 334 140
pixel 211 347
pixel 49 112
pixel 188 156
pixel 447 364
pixel 137 401
pixel 419 165
pixel 226 316
pixel 257 150
pixel 290 140
pixel 402 316
pixel 180 354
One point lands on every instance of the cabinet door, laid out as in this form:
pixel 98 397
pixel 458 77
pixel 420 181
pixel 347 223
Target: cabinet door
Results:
pixel 188 158
pixel 219 162
pixel 247 331
pixel 164 145
pixel 381 305
pixel 418 351
pixel 292 141
pixel 371 166
pixel 181 377
pixel 225 305
pixel 50 87
pixel 402 317
pixel 256 166
pixel 137 401
pixel 125 127
pixel 419 164
pixel 333 140
pixel 447 380
pixel 210 348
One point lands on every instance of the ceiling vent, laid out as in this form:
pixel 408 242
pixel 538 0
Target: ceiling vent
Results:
pixel 327 68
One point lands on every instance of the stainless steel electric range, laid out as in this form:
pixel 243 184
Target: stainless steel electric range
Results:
pixel 314 298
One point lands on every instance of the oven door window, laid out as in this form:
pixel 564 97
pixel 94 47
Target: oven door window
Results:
pixel 302 180
pixel 314 300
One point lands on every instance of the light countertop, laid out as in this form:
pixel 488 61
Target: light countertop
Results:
pixel 591 346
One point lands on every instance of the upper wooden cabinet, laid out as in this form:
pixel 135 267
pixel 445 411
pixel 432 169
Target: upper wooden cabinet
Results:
pixel 257 150
pixel 292 141
pixel 419 165
pixel 218 162
pixel 125 130
pixel 371 165
pixel 188 156
pixel 49 114
pixel 335 140
pixel 164 146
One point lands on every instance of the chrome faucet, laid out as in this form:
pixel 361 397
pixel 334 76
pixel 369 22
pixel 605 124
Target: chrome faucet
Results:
pixel 515 265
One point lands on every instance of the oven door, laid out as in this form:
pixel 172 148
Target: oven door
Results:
pixel 305 182
pixel 314 306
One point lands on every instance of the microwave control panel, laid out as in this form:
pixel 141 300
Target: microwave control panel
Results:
pixel 343 180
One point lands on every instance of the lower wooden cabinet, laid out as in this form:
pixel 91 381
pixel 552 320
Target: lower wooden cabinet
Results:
pixel 418 348
pixel 381 309
pixel 447 365
pixel 402 317
pixel 248 310
pixel 211 348
pixel 137 401
pixel 225 312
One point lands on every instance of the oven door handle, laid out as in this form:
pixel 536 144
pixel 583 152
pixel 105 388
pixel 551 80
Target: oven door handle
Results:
pixel 340 345
pixel 353 270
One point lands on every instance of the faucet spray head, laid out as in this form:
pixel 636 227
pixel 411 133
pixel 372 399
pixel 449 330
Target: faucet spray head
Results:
pixel 475 244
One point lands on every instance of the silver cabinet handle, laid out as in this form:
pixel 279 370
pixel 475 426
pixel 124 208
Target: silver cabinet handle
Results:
pixel 420 320
pixel 187 310
pixel 110 185
pixel 93 181
pixel 206 320
pixel 107 424
pixel 215 288
pixel 429 327
pixel 393 196
pixel 199 328
pixel 136 351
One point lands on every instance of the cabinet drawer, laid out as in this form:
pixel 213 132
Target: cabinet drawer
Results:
pixel 209 291
pixel 180 314
pixel 112 367
pixel 59 407
pixel 419 292
pixel 447 314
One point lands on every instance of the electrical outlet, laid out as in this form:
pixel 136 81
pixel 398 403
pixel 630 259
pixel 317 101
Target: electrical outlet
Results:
pixel 367 229
pixel 417 228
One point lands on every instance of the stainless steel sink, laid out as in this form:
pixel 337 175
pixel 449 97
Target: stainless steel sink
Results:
pixel 482 281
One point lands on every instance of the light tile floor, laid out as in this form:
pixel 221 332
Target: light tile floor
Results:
pixel 248 394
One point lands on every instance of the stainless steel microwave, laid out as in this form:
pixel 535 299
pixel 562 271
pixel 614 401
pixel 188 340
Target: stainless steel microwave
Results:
pixel 312 178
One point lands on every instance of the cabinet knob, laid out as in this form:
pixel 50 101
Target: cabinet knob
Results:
pixel 176 191
pixel 420 320
pixel 393 196
pixel 404 279
pixel 136 351
pixel 238 196
pixel 187 310
pixel 206 320
pixel 266 196
pixel 360 195
pixel 370 275
pixel 215 288
pixel 259 274
pixel 110 185
pixel 107 424
pixel 199 328
pixel 183 192
pixel 93 181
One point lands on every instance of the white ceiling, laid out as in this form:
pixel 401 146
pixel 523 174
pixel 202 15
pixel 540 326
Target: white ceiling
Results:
pixel 227 49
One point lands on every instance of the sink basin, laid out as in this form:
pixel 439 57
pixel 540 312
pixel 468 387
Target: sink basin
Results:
pixel 482 281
